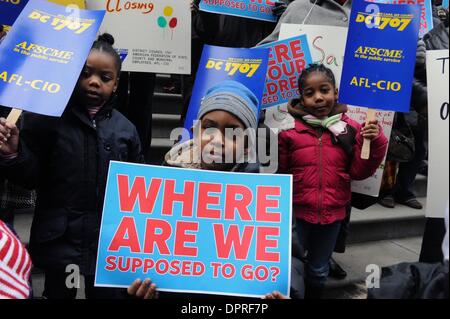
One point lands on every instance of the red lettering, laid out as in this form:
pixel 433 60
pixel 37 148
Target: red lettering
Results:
pixel 153 238
pixel 233 239
pixel 126 236
pixel 128 198
pixel 263 203
pixel 181 238
pixel 186 198
pixel 262 243
pixel 232 203
pixel 205 199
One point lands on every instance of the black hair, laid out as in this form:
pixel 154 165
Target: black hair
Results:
pixel 312 68
pixel 105 43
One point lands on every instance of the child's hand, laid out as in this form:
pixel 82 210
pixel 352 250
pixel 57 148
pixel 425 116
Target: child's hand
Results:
pixel 143 289
pixel 9 138
pixel 371 130
pixel 275 295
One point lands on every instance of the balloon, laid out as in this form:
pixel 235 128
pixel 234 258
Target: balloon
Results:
pixel 173 23
pixel 168 11
pixel 162 22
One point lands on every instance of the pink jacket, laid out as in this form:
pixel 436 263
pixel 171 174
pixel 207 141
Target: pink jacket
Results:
pixel 322 171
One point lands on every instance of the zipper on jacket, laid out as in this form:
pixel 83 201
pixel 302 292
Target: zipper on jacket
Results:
pixel 94 124
pixel 320 178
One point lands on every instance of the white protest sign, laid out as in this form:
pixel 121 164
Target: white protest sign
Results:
pixel 151 36
pixel 326 44
pixel 371 186
pixel 438 114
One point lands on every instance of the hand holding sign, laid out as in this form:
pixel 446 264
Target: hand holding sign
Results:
pixel 9 133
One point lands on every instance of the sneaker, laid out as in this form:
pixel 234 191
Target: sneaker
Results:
pixel 387 202
pixel 336 270
pixel 412 202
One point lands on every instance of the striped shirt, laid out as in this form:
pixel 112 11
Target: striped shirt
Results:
pixel 15 266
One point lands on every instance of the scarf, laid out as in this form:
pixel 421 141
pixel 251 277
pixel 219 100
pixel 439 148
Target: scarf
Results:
pixel 333 123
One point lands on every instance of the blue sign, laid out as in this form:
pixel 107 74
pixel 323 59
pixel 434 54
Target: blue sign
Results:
pixel 10 10
pixel 380 56
pixel 42 56
pixel 445 4
pixel 196 231
pixel 287 60
pixel 218 64
pixel 426 17
pixel 253 9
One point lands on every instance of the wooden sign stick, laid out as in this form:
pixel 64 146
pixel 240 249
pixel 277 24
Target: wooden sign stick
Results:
pixel 13 117
pixel 365 152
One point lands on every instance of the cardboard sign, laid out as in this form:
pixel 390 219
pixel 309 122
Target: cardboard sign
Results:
pixel 326 44
pixel 151 36
pixel 253 9
pixel 438 117
pixel 380 56
pixel 371 186
pixel 196 231
pixel 42 56
pixel 247 66
pixel 287 59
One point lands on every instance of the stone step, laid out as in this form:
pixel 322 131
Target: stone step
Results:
pixel 377 254
pixel 380 223
pixel 163 124
pixel 164 103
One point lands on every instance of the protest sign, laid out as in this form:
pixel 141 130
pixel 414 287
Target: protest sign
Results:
pixel 426 16
pixel 42 56
pixel 445 4
pixel 438 117
pixel 151 36
pixel 218 64
pixel 371 186
pixel 287 59
pixel 380 56
pixel 196 231
pixel 326 44
pixel 253 9
pixel 10 9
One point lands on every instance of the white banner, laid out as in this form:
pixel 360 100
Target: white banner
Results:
pixel 438 151
pixel 151 36
pixel 326 43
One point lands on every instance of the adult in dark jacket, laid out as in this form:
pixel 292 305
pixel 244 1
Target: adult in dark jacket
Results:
pixel 66 160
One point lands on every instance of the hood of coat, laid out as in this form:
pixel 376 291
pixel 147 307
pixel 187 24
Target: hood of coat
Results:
pixel 187 155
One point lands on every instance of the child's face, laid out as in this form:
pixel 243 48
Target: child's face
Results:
pixel 217 144
pixel 98 80
pixel 319 95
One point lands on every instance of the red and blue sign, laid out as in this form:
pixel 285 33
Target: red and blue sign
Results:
pixel 380 56
pixel 196 231
pixel 252 9
pixel 287 60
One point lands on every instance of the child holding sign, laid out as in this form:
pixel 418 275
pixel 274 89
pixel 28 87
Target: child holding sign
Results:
pixel 323 152
pixel 66 160
pixel 228 105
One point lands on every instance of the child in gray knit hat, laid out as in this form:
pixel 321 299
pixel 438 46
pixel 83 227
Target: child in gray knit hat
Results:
pixel 228 107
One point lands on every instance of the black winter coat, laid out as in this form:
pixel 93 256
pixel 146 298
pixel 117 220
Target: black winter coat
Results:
pixel 66 160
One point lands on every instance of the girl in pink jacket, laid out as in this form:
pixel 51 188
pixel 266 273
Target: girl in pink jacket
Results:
pixel 323 153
